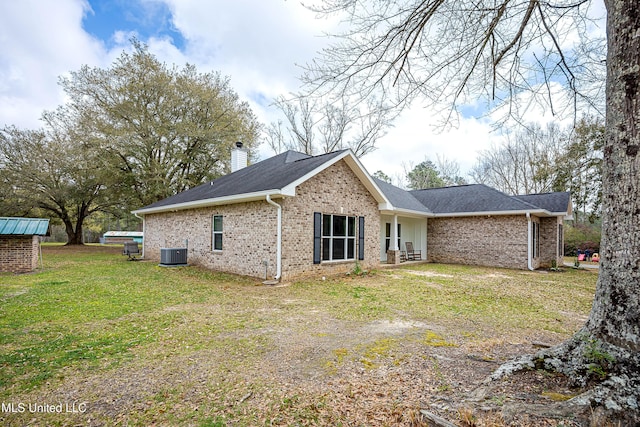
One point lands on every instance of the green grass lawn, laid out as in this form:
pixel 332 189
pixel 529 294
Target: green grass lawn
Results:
pixel 90 316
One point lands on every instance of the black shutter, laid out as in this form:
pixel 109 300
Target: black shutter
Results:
pixel 361 238
pixel 317 237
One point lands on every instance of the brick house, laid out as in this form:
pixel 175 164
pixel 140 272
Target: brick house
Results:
pixel 294 215
pixel 20 243
pixel 476 224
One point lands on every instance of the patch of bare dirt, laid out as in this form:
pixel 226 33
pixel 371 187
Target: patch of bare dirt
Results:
pixel 381 373
pixel 327 371
pixel 427 273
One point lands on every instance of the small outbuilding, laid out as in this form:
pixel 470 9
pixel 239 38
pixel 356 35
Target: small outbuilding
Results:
pixel 20 243
pixel 122 237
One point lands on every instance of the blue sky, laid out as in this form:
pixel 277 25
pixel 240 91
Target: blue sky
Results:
pixel 147 19
pixel 258 44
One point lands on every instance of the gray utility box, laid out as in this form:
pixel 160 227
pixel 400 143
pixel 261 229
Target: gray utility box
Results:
pixel 173 257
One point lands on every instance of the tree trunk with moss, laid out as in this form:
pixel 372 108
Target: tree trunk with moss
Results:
pixel 607 349
pixel 615 317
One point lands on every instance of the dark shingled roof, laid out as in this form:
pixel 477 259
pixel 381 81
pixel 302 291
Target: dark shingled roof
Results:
pixel 480 198
pixel 400 198
pixel 274 173
pixel 552 202
pixel 469 198
pixel 278 172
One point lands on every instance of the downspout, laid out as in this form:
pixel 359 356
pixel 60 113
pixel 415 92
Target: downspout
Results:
pixel 278 238
pixel 529 247
pixel 143 237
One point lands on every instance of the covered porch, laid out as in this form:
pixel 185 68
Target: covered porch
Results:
pixel 396 230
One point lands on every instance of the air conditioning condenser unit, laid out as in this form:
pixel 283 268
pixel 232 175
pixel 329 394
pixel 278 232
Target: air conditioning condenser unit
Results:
pixel 173 257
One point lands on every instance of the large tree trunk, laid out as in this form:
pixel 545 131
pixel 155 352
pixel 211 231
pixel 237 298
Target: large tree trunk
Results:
pixel 615 317
pixel 607 349
pixel 74 234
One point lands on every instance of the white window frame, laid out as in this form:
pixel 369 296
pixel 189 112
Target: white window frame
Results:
pixel 351 235
pixel 560 240
pixel 535 237
pixel 215 233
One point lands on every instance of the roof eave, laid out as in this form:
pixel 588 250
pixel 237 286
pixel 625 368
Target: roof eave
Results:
pixel 389 209
pixel 287 190
pixel 492 213
pixel 225 200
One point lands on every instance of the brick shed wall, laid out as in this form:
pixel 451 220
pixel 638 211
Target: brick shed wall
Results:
pixel 336 190
pixel 249 229
pixel 18 254
pixel 496 241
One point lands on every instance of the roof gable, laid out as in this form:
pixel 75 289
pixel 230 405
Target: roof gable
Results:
pixel 278 175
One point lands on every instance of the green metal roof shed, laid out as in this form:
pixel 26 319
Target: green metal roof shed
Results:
pixel 20 243
pixel 24 226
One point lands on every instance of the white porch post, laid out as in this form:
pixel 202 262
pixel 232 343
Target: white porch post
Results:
pixel 394 235
pixel 393 254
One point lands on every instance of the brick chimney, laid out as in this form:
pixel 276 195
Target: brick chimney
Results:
pixel 238 157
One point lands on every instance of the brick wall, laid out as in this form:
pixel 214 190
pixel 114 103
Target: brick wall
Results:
pixel 549 241
pixel 497 241
pixel 249 237
pixel 18 254
pixel 249 229
pixel 336 190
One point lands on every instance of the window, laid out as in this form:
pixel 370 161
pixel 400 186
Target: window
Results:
pixel 338 237
pixel 334 237
pixel 387 243
pixel 216 236
pixel 535 239
pixel 560 241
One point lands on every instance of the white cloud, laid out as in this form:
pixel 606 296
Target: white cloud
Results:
pixel 257 44
pixel 417 136
pixel 40 40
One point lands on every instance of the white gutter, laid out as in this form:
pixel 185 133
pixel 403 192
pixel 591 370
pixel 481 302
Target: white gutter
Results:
pixel 237 198
pixel 540 212
pixel 529 246
pixel 278 239
pixel 388 209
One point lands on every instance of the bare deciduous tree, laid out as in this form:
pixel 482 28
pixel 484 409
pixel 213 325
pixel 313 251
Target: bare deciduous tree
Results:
pixel 449 171
pixel 526 162
pixel 449 53
pixel 314 126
